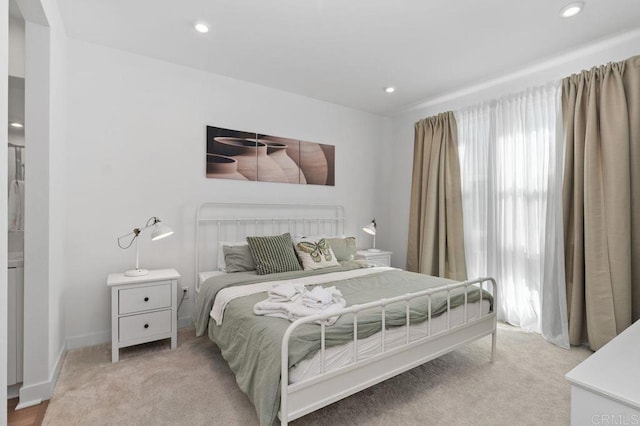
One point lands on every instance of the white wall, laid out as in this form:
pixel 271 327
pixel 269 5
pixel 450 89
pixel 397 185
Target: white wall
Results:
pixel 57 184
pixel 4 125
pixel 37 223
pixel 136 149
pixel 44 254
pixel 397 170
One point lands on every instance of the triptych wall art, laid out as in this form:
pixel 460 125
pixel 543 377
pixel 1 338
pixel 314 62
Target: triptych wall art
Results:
pixel 234 154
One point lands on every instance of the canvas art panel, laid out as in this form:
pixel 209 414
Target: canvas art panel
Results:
pixel 239 155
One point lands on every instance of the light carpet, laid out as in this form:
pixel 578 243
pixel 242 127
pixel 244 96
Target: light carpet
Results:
pixel 192 385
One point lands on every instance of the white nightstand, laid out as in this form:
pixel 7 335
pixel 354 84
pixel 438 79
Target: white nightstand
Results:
pixel 143 309
pixel 380 257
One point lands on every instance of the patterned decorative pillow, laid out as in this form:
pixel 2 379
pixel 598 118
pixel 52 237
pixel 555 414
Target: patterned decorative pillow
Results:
pixel 273 254
pixel 315 254
pixel 343 248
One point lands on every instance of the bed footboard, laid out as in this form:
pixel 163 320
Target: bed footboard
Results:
pixel 301 398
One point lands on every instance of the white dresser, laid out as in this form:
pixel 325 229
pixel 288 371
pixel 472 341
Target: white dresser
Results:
pixel 605 388
pixel 143 309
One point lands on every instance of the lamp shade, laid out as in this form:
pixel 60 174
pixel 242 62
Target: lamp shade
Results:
pixel 160 231
pixel 370 228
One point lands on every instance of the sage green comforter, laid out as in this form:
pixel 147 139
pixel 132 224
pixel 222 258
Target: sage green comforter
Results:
pixel 251 344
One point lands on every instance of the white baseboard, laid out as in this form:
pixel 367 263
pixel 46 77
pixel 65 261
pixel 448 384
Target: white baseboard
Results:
pixel 13 391
pixel 34 394
pixel 57 367
pixel 89 339
pixel 29 403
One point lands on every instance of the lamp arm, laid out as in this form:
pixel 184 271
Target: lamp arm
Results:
pixel 136 232
pixel 152 221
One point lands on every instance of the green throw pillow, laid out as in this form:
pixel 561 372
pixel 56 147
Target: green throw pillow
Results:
pixel 238 259
pixel 343 248
pixel 273 254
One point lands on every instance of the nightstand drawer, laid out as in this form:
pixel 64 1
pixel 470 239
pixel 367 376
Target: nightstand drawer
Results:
pixel 145 298
pixel 384 260
pixel 139 326
pixel 380 258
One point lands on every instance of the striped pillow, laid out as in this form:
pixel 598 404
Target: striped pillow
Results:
pixel 273 254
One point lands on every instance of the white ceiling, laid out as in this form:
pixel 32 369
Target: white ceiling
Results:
pixel 347 51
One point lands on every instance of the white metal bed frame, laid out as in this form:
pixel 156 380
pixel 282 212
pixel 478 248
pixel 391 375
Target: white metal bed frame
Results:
pixel 301 398
pixel 306 396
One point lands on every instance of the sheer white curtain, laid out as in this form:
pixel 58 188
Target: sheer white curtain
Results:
pixel 511 169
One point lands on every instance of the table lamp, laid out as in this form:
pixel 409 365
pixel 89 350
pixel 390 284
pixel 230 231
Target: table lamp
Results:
pixel 371 230
pixel 159 231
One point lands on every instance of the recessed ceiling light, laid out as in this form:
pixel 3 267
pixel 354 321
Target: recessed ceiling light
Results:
pixel 201 27
pixel 389 89
pixel 17 125
pixel 572 9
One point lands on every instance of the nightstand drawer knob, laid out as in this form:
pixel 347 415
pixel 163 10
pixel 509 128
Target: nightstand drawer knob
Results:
pixel 146 326
pixel 146 299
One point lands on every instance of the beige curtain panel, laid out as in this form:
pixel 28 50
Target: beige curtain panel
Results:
pixel 601 200
pixel 436 243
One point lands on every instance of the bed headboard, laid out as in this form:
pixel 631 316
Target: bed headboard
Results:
pixel 217 222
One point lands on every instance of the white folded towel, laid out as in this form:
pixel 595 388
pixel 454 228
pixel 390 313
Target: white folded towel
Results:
pixel 11 171
pixel 319 297
pixel 297 307
pixel 16 205
pixel 285 292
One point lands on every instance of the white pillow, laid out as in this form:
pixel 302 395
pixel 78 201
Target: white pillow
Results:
pixel 315 254
pixel 221 263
